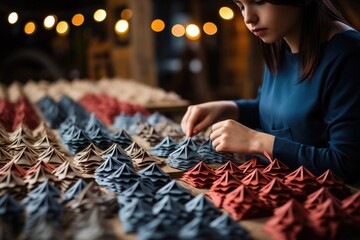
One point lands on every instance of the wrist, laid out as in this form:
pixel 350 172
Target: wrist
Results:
pixel 262 142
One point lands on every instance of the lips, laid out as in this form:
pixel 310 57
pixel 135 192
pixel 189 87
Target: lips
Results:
pixel 258 31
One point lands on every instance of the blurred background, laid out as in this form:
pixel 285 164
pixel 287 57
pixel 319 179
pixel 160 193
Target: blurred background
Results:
pixel 196 48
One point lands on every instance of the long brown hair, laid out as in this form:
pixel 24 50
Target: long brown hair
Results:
pixel 318 15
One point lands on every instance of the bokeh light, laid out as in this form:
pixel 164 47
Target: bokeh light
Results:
pixel 157 25
pixel 62 28
pixel 13 18
pixel 126 14
pixel 178 30
pixel 210 28
pixel 100 15
pixel 30 28
pixel 226 13
pixel 192 32
pixel 121 26
pixel 78 19
pixel 49 22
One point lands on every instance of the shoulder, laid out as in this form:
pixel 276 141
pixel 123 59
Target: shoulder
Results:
pixel 343 43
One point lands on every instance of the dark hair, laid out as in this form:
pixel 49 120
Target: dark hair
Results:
pixel 318 15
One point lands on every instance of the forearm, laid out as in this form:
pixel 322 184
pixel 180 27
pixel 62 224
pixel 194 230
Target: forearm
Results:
pixel 261 142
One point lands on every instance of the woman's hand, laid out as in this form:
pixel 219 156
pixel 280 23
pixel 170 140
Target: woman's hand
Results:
pixel 198 117
pixel 231 136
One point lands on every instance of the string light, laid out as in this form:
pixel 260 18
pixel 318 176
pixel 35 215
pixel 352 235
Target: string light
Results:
pixel 49 22
pixel 13 18
pixel 192 32
pixel 30 28
pixel 121 26
pixel 62 28
pixel 126 14
pixel 78 19
pixel 226 13
pixel 100 15
pixel 157 25
pixel 178 30
pixel 210 28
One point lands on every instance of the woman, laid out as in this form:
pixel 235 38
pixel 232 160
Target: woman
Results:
pixel 308 109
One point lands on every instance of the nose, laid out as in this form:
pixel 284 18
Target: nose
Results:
pixel 249 15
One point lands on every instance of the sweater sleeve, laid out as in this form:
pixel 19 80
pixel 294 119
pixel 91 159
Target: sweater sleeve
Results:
pixel 341 101
pixel 249 112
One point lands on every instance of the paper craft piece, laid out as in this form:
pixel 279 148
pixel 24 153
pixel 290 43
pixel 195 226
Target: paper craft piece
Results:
pixel 7 114
pixel 255 180
pixel 200 176
pixel 149 134
pixel 127 123
pixel 209 155
pixel 90 196
pixel 88 161
pixel 230 167
pixel 351 206
pixel 165 147
pixel 67 175
pixel 190 142
pixel 276 169
pixel 120 180
pixel 38 174
pixel 156 118
pixel 202 208
pixel 97 132
pixel 25 114
pixel 43 130
pixel 44 204
pixel 45 142
pixel 171 212
pixel 329 220
pixel 13 167
pixel 134 149
pixel 154 177
pixel 229 229
pixel 318 198
pixel 53 156
pixel 45 188
pixel 122 138
pixel 74 139
pixel 251 165
pixel 144 159
pixel 156 229
pixel 92 225
pixel 5 157
pixel 117 155
pixel 170 130
pixel 11 213
pixel 242 203
pixel 43 226
pixel 275 193
pixel 221 187
pixel 198 229
pixel 135 214
pixel 51 111
pixel 74 191
pixel 183 158
pixel 334 184
pixel 71 108
pixel 302 181
pixel 139 191
pixel 174 190
pixel 22 133
pixel 290 221
pixel 11 183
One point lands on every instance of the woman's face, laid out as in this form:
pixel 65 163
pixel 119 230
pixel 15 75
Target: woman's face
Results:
pixel 272 22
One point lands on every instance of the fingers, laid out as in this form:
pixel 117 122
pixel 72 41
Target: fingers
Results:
pixel 194 121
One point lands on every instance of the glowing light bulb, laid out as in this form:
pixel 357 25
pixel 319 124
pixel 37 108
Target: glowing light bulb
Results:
pixel 121 26
pixel 226 13
pixel 192 32
pixel 62 28
pixel 100 15
pixel 13 18
pixel 157 25
pixel 210 28
pixel 178 30
pixel 49 22
pixel 77 19
pixel 30 28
